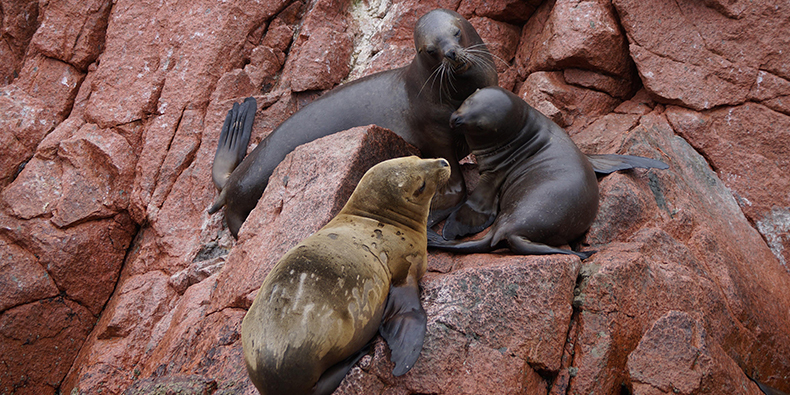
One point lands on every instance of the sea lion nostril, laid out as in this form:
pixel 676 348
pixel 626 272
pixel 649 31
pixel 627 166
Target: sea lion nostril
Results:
pixel 456 120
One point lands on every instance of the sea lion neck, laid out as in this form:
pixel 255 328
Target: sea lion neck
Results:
pixel 396 217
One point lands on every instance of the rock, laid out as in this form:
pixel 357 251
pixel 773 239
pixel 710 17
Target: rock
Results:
pixel 567 105
pixel 749 146
pixel 675 357
pixel 22 279
pixel 73 31
pixel 20 20
pixel 110 123
pixel 26 121
pixel 513 11
pixel 322 49
pixel 709 60
pixel 39 341
pixel 177 384
pixel 584 35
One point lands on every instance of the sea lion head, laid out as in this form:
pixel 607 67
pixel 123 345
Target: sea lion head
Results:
pixel 399 189
pixel 485 117
pixel 449 47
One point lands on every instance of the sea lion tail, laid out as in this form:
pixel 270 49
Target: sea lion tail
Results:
pixel 436 240
pixel 610 163
pixel 233 140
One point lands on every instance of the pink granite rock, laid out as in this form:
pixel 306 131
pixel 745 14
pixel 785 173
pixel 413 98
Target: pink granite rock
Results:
pixel 105 140
pixel 73 31
pixel 19 23
pixel 675 356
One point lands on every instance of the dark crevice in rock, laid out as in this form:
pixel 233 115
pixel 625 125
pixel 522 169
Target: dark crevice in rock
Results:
pixel 210 250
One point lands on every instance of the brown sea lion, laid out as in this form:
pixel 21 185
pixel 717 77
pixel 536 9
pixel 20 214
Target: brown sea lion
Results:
pixel 414 101
pixel 536 188
pixel 325 299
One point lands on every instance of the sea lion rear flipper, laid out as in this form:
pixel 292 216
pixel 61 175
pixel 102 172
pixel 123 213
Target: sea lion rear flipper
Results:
pixel 404 326
pixel 610 163
pixel 233 140
pixel 477 212
pixel 521 245
pixel 332 377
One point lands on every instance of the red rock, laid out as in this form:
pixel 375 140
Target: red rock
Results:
pixel 73 31
pixel 22 279
pixel 701 260
pixel 581 34
pixel 53 82
pixel 615 87
pixel 97 168
pixel 26 121
pixel 39 340
pixel 20 20
pixel 530 35
pixel 749 146
pixel 321 50
pixel 668 241
pixel 676 356
pixel 83 260
pixel 567 105
pixel 710 61
pixel 513 11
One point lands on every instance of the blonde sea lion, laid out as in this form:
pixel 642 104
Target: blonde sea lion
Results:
pixel 325 299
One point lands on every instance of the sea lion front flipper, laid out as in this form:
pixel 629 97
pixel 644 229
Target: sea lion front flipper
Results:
pixel 521 245
pixel 609 163
pixel 477 212
pixel 332 377
pixel 404 326
pixel 233 140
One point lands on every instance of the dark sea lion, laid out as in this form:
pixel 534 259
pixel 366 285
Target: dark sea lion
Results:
pixel 536 187
pixel 414 101
pixel 325 299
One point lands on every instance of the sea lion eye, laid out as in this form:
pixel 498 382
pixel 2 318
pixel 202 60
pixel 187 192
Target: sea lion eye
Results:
pixel 422 188
pixel 431 50
pixel 457 33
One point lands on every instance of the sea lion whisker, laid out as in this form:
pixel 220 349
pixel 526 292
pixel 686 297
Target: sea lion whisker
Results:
pixel 432 76
pixel 479 54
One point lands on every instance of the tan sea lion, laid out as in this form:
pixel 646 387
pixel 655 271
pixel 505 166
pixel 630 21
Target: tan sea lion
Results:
pixel 325 299
pixel 536 189
pixel 415 102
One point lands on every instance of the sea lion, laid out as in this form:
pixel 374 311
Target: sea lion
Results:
pixel 414 101
pixel 326 298
pixel 536 188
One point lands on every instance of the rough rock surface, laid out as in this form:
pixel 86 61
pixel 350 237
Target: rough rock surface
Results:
pixel 114 279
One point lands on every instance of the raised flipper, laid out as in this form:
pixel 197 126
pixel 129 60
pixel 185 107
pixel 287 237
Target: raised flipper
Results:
pixel 404 326
pixel 520 245
pixel 233 140
pixel 610 163
pixel 332 377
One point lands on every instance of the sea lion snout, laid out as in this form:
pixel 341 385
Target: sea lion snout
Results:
pixel 456 120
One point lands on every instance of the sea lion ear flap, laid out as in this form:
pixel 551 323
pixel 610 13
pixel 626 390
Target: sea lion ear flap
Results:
pixel 404 326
